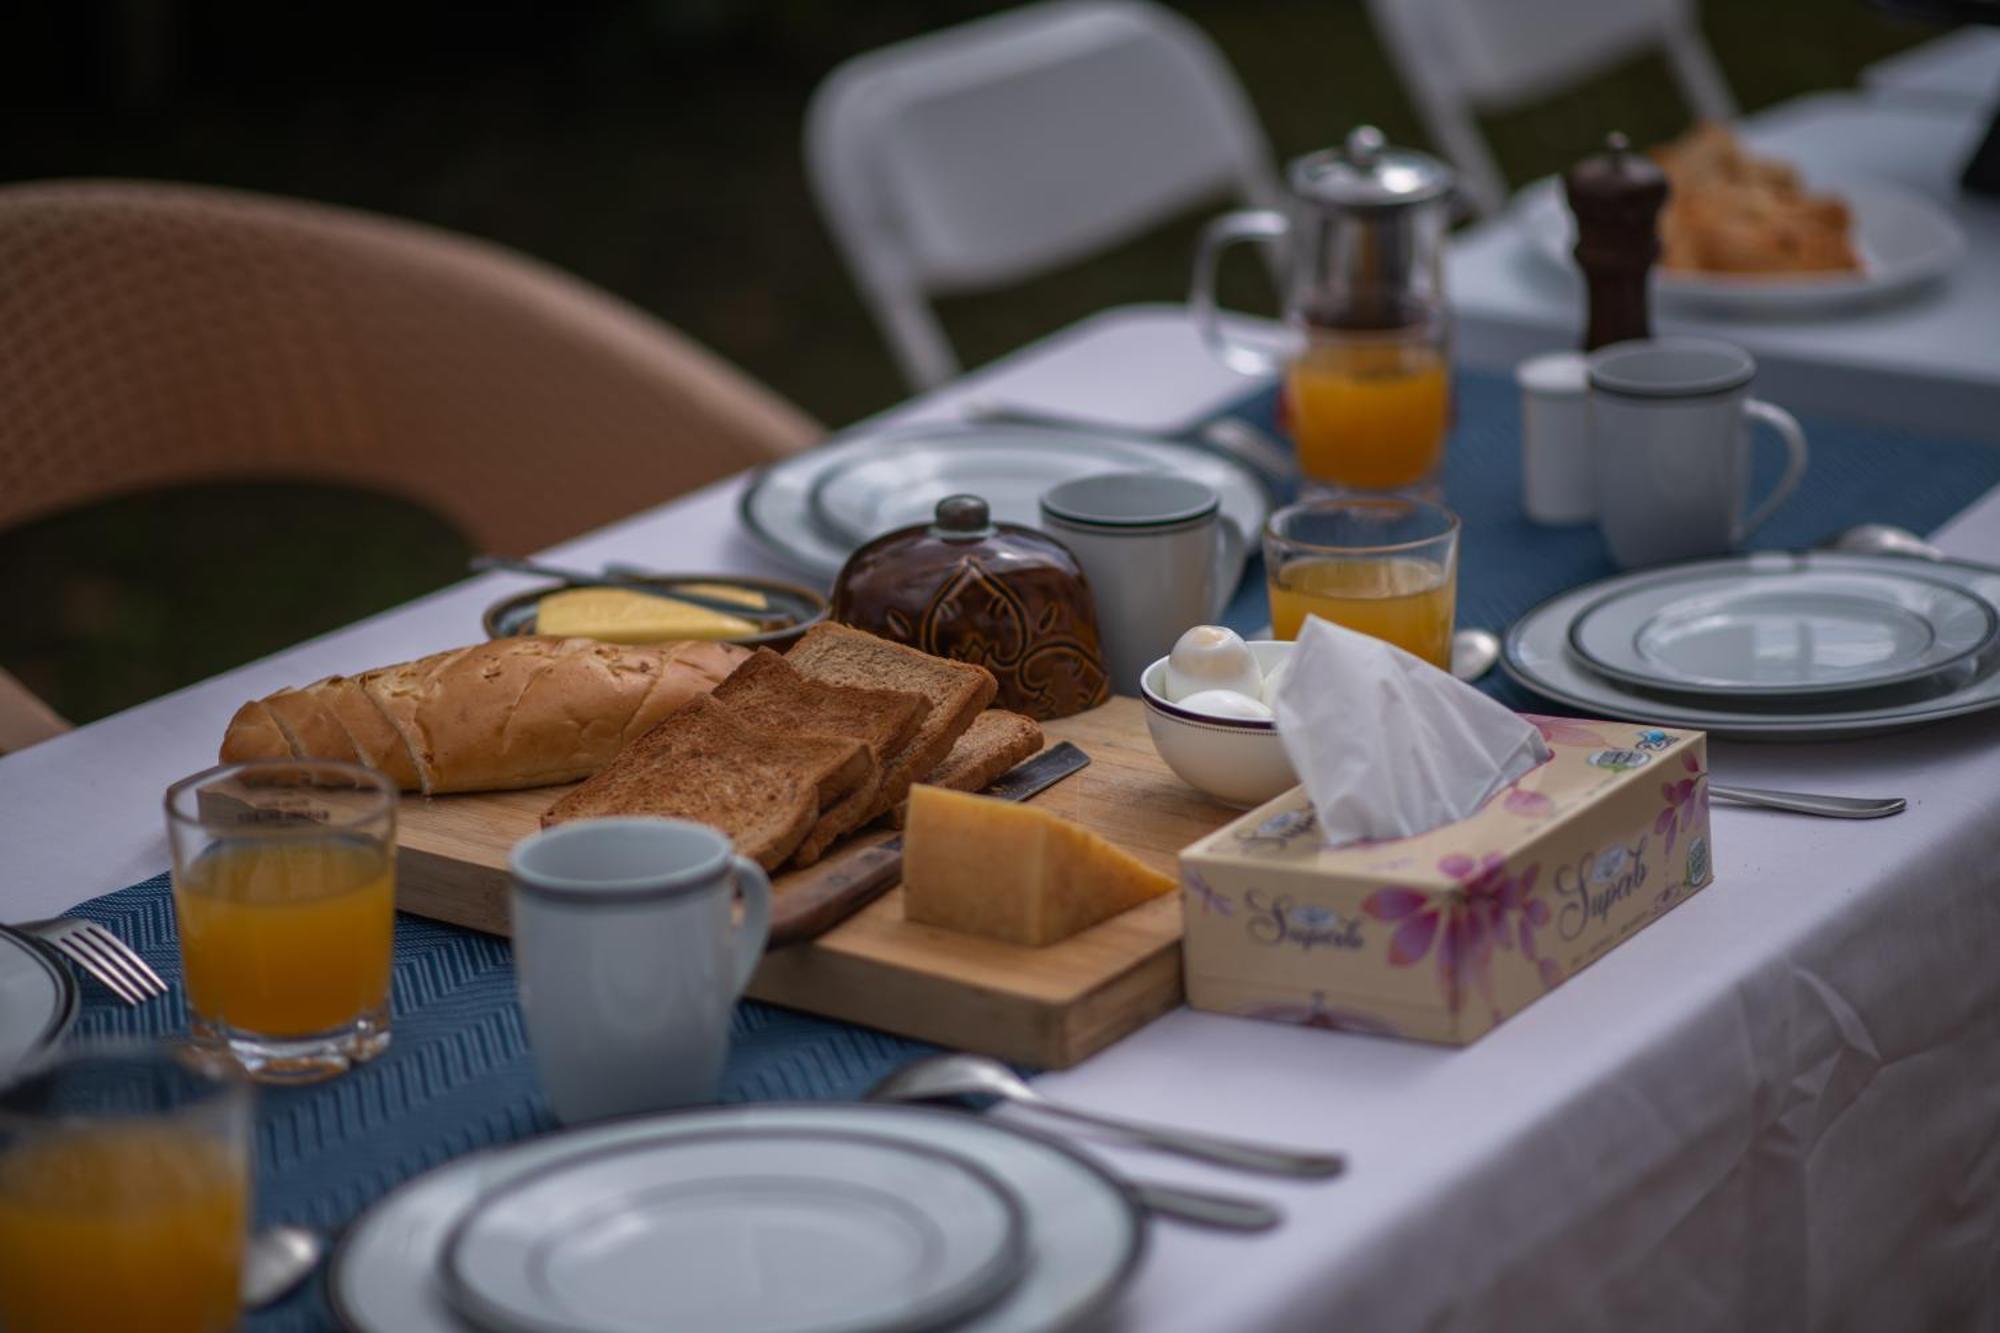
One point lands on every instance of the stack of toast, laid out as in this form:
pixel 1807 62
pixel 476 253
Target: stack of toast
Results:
pixel 792 752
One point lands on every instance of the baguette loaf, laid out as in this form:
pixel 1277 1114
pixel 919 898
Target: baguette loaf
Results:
pixel 519 712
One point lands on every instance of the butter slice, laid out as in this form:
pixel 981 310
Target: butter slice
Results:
pixel 1014 873
pixel 729 592
pixel 621 615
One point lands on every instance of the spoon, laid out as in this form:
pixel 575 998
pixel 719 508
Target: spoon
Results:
pixel 1882 539
pixel 1473 653
pixel 942 1076
pixel 487 564
pixel 276 1260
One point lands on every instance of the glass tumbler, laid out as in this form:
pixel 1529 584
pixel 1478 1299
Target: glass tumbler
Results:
pixel 124 1192
pixel 1386 566
pixel 285 892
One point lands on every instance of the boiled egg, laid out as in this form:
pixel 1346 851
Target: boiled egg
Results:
pixel 1273 679
pixel 1225 703
pixel 1209 657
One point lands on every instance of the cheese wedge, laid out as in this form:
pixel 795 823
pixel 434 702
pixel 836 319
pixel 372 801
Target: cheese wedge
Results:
pixel 622 615
pixel 1014 873
pixel 728 592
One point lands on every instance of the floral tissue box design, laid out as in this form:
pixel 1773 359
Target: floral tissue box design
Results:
pixel 1441 936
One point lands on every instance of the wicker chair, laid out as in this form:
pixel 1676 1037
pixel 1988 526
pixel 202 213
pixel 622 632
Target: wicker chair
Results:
pixel 155 333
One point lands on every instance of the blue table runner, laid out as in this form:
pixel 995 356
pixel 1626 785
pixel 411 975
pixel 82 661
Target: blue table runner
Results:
pixel 458 1077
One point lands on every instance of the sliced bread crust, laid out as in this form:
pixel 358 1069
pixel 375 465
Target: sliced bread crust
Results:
pixel 958 693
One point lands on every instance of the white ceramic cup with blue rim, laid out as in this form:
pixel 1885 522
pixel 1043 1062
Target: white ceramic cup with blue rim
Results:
pixel 1159 555
pixel 628 962
pixel 1670 434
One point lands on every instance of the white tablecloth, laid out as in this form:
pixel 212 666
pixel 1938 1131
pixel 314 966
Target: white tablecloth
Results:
pixel 1778 1107
pixel 1930 363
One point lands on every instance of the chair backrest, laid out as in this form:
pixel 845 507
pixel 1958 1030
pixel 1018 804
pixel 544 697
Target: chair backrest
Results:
pixel 153 334
pixel 987 153
pixel 1459 58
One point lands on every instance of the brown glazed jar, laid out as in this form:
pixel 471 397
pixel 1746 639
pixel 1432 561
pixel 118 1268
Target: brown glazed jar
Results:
pixel 1004 596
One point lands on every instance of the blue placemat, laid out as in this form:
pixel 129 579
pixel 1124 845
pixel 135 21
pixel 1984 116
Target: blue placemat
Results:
pixel 456 1077
pixel 1858 474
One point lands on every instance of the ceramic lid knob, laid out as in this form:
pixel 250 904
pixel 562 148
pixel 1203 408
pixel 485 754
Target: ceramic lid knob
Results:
pixel 963 518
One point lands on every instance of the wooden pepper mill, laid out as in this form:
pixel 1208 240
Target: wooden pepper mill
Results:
pixel 1616 197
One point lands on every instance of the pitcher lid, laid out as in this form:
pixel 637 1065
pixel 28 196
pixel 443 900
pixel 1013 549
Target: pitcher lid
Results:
pixel 1367 172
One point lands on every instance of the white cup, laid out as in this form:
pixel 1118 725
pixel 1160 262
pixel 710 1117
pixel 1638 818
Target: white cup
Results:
pixel 627 962
pixel 1158 553
pixel 1669 425
pixel 1558 474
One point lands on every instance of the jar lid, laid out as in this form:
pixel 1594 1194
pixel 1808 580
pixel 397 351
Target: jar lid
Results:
pixel 1366 172
pixel 962 518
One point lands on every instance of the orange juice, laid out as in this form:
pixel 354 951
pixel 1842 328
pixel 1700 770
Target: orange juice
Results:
pixel 136 1227
pixel 1411 603
pixel 1370 415
pixel 287 937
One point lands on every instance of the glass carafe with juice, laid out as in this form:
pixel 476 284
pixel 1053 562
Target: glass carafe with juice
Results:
pixel 1366 364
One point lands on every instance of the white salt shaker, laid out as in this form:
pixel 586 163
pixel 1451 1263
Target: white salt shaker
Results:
pixel 1558 479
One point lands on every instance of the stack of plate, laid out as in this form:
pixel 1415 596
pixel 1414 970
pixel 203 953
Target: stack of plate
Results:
pixel 1772 646
pixel 817 507
pixel 764 1219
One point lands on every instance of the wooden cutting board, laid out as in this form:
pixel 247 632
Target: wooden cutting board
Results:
pixel 1048 1007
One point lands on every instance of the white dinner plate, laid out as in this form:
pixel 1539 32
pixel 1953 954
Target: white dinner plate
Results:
pixel 755 1232
pixel 816 507
pixel 38 1000
pixel 1790 632
pixel 1902 239
pixel 1084 1234
pixel 1537 655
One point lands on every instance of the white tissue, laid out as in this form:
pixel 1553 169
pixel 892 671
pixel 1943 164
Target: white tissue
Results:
pixel 1388 746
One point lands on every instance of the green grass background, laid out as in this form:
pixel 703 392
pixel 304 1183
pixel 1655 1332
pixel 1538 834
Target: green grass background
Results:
pixel 652 148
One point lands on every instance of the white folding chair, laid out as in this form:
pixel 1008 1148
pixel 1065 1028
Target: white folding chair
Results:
pixel 988 153
pixel 1461 58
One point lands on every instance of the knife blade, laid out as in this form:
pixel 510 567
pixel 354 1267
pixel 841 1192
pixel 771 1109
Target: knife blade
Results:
pixel 817 899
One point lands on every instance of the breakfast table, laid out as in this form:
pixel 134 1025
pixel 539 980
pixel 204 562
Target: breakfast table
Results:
pixel 1775 1107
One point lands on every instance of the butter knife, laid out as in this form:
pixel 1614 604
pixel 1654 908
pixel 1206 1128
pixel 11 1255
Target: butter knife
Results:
pixel 817 899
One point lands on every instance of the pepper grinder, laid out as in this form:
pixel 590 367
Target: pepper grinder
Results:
pixel 1616 197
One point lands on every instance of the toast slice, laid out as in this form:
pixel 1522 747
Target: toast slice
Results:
pixel 995 742
pixel 769 693
pixel 958 692
pixel 764 789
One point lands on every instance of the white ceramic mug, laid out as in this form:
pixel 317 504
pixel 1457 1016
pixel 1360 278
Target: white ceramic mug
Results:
pixel 1158 553
pixel 1669 426
pixel 627 961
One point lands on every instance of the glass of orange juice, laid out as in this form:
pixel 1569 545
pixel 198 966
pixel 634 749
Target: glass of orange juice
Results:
pixel 124 1193
pixel 285 893
pixel 1381 565
pixel 1369 411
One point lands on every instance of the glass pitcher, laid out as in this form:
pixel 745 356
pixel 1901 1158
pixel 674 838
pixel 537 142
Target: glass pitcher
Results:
pixel 1366 356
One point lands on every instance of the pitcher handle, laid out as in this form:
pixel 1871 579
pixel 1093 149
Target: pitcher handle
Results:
pixel 1781 421
pixel 1228 564
pixel 1266 226
pixel 755 928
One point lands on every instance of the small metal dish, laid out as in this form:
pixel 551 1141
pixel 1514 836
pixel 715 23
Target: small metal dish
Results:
pixel 801 606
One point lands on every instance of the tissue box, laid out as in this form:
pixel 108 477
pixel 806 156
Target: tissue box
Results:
pixel 1441 936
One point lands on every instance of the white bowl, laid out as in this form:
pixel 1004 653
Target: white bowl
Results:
pixel 1237 760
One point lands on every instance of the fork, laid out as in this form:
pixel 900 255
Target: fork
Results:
pixel 101 954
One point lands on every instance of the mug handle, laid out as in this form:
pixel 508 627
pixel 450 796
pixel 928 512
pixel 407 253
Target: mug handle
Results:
pixel 1266 226
pixel 1228 564
pixel 755 886
pixel 1781 421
